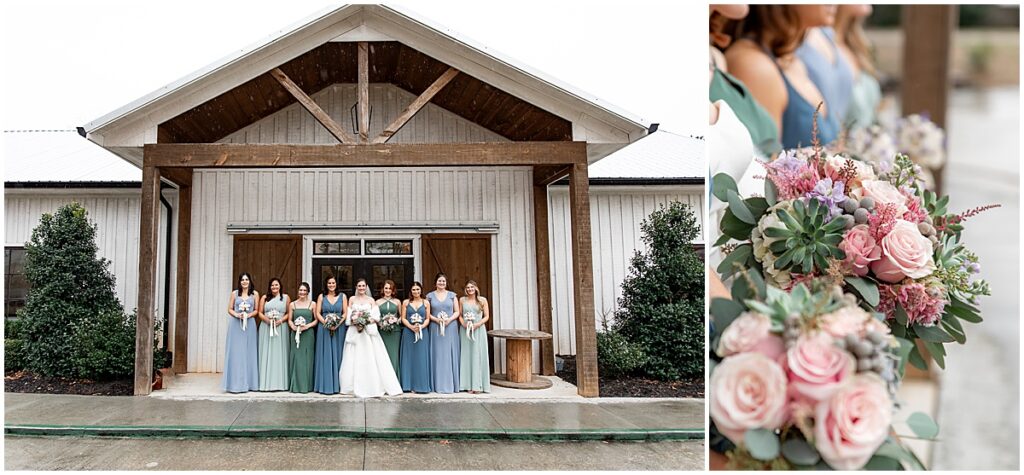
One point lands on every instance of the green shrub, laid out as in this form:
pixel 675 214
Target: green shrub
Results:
pixel 14 354
pixel 72 323
pixel 662 304
pixel 616 355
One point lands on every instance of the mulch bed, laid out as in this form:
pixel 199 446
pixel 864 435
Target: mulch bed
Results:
pixel 635 386
pixel 25 382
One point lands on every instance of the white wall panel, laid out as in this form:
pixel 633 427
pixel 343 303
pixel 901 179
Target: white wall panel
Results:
pixel 615 217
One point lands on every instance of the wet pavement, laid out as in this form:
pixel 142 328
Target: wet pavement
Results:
pixel 77 453
pixel 594 419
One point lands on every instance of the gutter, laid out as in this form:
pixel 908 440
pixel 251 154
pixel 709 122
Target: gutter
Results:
pixel 167 265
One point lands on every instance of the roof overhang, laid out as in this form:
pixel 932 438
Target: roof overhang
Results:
pixel 605 128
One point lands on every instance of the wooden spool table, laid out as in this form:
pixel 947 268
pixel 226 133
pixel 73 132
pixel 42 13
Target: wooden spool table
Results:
pixel 519 360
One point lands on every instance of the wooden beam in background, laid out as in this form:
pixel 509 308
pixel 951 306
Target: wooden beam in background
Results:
pixel 178 176
pixel 416 105
pixel 396 155
pixel 364 92
pixel 548 175
pixel 319 114
pixel 541 243
pixel 180 363
pixel 583 281
pixel 149 225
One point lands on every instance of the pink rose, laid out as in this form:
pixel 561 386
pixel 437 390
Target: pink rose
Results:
pixel 883 192
pixel 836 163
pixel 851 425
pixel 860 249
pixel 750 332
pixel 816 368
pixel 748 391
pixel 851 321
pixel 905 253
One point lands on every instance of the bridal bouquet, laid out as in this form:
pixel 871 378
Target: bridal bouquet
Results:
pixel 471 318
pixel 806 380
pixel 389 322
pixel 332 321
pixel 299 322
pixel 879 234
pixel 444 317
pixel 274 316
pixel 416 319
pixel 243 309
pixel 361 318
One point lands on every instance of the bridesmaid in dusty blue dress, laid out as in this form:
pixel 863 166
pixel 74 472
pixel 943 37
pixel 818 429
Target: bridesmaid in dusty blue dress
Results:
pixel 241 371
pixel 444 349
pixel 274 338
pixel 414 359
pixel 329 343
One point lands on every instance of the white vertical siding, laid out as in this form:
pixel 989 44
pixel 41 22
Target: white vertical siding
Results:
pixel 353 195
pixel 615 217
pixel 294 125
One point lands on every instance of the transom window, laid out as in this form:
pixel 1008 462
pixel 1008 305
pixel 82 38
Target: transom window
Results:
pixel 15 283
pixel 363 247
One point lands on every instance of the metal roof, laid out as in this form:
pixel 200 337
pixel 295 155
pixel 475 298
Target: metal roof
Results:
pixel 661 154
pixel 61 156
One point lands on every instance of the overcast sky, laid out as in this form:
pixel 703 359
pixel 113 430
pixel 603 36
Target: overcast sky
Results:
pixel 67 63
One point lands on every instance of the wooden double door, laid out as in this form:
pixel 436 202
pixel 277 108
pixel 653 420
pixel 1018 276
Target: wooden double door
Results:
pixel 265 256
pixel 347 270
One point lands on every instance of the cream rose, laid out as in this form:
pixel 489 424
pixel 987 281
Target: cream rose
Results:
pixel 860 248
pixel 750 332
pixel 905 253
pixel 882 192
pixel 748 391
pixel 851 425
pixel 816 368
pixel 850 321
pixel 835 163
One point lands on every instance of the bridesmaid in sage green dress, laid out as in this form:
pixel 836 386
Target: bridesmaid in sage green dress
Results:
pixel 474 362
pixel 300 365
pixel 388 305
pixel 273 339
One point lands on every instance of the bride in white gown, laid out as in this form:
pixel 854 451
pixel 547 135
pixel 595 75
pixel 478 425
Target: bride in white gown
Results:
pixel 365 366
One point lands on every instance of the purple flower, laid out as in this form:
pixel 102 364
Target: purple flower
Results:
pixel 829 194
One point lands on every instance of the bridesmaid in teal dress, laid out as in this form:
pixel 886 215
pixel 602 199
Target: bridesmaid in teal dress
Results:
pixel 415 356
pixel 240 365
pixel 444 349
pixel 274 338
pixel 329 343
pixel 300 365
pixel 388 305
pixel 474 366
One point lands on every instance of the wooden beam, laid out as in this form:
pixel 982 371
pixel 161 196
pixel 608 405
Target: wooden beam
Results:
pixel 540 238
pixel 927 46
pixel 149 224
pixel 319 114
pixel 178 176
pixel 180 364
pixel 364 92
pixel 583 281
pixel 416 105
pixel 548 175
pixel 393 155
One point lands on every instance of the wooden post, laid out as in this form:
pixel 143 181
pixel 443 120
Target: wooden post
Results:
pixel 927 43
pixel 181 294
pixel 583 280
pixel 364 91
pixel 540 237
pixel 519 360
pixel 149 219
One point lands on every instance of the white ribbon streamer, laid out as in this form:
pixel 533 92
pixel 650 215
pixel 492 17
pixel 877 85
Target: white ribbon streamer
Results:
pixel 298 329
pixel 244 307
pixel 443 316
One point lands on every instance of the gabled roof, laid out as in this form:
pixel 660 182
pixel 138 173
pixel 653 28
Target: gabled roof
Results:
pixel 59 157
pixel 604 127
pixel 661 154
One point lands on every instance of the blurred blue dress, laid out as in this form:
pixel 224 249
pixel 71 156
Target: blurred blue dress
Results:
pixel 329 348
pixel 414 359
pixel 241 368
pixel 444 350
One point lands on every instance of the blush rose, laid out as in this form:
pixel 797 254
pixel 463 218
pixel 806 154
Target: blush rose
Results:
pixel 816 368
pixel 883 192
pixel 748 391
pixel 851 425
pixel 750 332
pixel 905 253
pixel 860 248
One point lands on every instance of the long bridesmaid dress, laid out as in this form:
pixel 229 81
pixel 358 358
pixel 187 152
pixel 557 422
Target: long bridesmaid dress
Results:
pixel 329 349
pixel 393 338
pixel 300 366
pixel 415 356
pixel 474 367
pixel 241 373
pixel 444 350
pixel 273 349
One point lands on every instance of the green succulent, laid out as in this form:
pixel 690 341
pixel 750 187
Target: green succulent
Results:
pixel 807 240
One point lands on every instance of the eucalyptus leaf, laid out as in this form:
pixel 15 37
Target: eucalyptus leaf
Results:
pixel 932 333
pixel 938 353
pixel 758 206
pixel 923 426
pixel 723 312
pixel 916 360
pixel 881 462
pixel 771 193
pixel 867 290
pixel 901 316
pixel 762 444
pixel 721 184
pixel 893 450
pixel 732 226
pixel 739 208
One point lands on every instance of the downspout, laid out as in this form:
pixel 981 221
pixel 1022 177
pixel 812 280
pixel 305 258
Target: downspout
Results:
pixel 167 265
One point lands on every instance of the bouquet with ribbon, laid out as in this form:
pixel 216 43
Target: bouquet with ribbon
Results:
pixel 389 322
pixel 444 317
pixel 243 309
pixel 361 318
pixel 332 321
pixel 471 318
pixel 299 322
pixel 417 319
pixel 275 317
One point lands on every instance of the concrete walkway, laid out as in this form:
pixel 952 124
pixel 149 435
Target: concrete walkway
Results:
pixel 127 416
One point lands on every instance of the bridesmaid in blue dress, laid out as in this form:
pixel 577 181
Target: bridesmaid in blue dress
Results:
pixel 241 366
pixel 444 349
pixel 329 343
pixel 414 358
